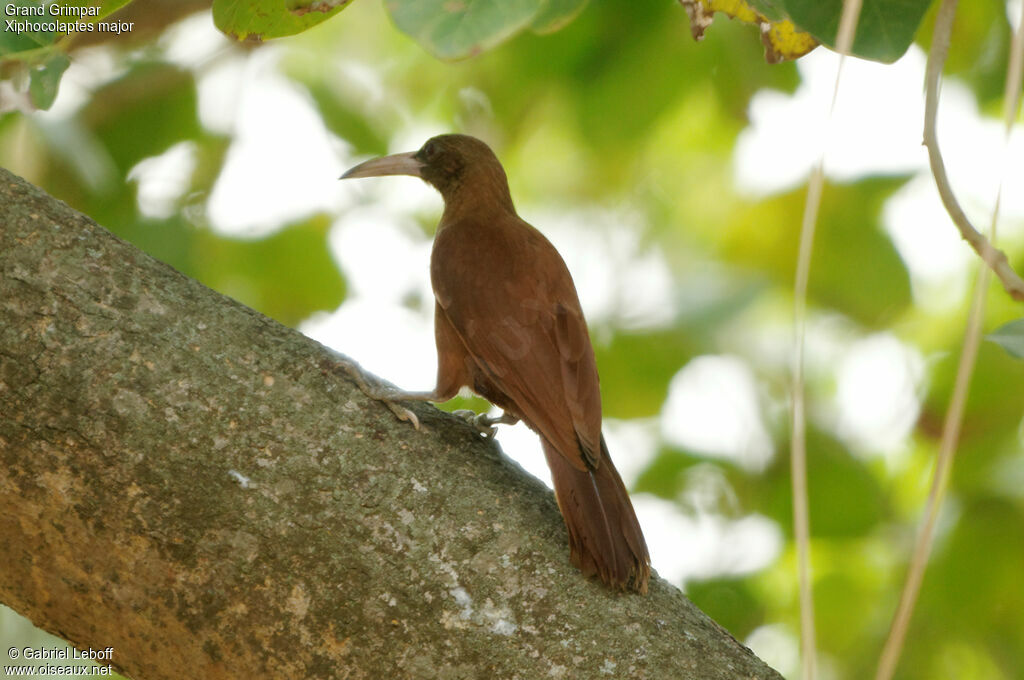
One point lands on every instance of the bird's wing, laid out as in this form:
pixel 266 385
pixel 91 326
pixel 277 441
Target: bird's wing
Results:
pixel 510 298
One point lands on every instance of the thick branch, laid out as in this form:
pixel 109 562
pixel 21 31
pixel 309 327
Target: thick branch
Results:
pixel 200 488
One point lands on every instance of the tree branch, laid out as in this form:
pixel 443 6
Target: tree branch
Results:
pixel 202 489
pixel 994 258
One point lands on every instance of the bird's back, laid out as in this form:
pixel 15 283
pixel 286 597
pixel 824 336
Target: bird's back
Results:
pixel 509 295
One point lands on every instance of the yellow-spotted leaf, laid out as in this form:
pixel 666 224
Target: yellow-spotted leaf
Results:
pixel 782 40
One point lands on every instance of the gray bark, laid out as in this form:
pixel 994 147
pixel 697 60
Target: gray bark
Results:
pixel 132 399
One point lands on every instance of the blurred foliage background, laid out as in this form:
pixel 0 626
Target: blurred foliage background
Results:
pixel 620 122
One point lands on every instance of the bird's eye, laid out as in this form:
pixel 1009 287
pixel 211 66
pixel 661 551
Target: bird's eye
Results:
pixel 429 150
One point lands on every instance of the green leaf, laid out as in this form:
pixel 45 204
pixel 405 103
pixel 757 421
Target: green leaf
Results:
pixel 257 20
pixel 765 236
pixel 45 79
pixel 884 32
pixel 455 29
pixel 845 499
pixel 555 14
pixel 144 112
pixel 348 120
pixel 979 54
pixel 1010 337
pixel 640 367
pixel 12 42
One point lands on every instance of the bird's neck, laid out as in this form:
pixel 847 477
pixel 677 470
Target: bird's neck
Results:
pixel 480 194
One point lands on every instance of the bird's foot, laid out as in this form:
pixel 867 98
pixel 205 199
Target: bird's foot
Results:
pixel 390 398
pixel 370 385
pixel 484 423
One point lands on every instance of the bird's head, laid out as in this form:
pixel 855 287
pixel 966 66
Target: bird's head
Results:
pixel 450 163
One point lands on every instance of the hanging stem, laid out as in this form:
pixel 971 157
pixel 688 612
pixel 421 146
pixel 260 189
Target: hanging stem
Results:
pixel 798 441
pixel 972 340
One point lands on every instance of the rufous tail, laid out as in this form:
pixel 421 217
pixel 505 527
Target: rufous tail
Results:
pixel 604 535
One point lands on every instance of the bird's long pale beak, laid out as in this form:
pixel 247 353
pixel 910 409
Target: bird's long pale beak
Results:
pixel 396 164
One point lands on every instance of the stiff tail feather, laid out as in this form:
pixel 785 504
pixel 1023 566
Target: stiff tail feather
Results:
pixel 604 535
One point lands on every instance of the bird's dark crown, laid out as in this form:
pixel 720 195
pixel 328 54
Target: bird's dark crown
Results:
pixel 452 161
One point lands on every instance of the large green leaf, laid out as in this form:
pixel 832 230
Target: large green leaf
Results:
pixel 884 32
pixel 448 29
pixel 144 112
pixel 454 29
pixel 257 20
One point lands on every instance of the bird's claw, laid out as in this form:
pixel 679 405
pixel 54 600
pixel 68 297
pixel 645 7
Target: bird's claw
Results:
pixel 390 397
pixel 479 421
pixel 382 393
pixel 484 423
pixel 402 412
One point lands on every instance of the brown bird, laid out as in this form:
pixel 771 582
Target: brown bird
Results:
pixel 508 324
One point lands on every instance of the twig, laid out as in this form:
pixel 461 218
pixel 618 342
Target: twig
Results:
pixel 994 258
pixel 968 356
pixel 798 443
pixel 943 466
